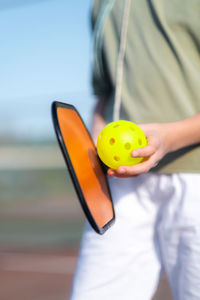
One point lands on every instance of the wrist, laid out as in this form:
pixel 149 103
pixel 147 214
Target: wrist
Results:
pixel 170 132
pixel 174 136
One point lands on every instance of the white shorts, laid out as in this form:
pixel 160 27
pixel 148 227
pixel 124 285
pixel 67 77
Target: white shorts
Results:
pixel 157 229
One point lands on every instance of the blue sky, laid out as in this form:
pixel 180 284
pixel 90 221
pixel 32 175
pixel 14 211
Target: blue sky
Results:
pixel 45 55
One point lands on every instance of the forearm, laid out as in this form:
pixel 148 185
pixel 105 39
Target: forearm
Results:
pixel 185 133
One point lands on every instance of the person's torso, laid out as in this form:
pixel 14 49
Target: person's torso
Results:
pixel 161 66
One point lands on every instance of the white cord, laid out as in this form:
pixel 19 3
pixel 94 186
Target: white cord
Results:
pixel 120 61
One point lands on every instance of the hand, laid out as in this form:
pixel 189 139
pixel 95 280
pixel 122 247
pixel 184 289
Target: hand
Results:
pixel 159 144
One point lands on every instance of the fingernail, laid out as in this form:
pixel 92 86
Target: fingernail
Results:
pixel 121 171
pixel 110 172
pixel 135 153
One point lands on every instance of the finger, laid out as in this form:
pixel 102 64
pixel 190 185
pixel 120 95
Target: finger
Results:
pixel 118 174
pixel 143 152
pixel 132 170
pixel 140 168
pixel 135 170
pixel 111 172
pixel 124 176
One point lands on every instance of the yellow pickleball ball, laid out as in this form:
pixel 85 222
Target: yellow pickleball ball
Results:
pixel 116 142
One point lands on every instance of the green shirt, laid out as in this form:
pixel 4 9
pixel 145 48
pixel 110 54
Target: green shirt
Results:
pixel 161 68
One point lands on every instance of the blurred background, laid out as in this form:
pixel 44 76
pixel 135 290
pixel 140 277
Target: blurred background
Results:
pixel 45 55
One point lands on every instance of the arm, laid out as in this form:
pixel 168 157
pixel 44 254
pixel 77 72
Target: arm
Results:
pixel 186 133
pixel 162 139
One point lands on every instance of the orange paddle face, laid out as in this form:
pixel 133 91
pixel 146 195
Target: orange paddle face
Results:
pixel 84 166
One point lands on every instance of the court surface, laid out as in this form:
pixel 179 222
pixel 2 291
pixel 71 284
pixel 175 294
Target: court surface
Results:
pixel 45 276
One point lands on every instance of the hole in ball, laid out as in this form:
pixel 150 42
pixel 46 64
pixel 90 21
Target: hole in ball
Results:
pixel 127 146
pixel 140 142
pixel 116 158
pixel 117 125
pixel 132 128
pixel 112 141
